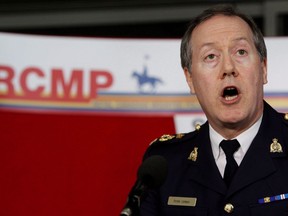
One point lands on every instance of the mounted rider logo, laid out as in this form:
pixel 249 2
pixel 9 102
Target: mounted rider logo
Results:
pixel 146 84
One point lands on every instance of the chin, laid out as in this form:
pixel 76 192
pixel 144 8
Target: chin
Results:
pixel 232 118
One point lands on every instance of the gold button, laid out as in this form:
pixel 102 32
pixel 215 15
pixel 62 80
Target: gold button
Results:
pixel 197 127
pixel 286 116
pixel 229 208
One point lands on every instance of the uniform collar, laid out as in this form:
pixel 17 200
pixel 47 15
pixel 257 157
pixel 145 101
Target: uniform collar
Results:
pixel 258 157
pixel 245 139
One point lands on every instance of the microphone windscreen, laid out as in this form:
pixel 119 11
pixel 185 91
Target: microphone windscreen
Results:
pixel 153 171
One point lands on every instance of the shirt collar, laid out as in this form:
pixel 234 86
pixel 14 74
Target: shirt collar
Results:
pixel 245 139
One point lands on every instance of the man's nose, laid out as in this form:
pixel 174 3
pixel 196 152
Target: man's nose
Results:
pixel 228 68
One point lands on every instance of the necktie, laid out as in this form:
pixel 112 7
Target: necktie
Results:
pixel 230 147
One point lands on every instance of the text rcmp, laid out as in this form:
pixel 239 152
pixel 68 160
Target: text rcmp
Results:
pixel 33 84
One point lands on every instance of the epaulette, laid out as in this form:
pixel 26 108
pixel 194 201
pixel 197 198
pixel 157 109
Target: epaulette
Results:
pixel 172 138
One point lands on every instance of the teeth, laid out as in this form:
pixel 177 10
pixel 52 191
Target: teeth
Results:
pixel 229 98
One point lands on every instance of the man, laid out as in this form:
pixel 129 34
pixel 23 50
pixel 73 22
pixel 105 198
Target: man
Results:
pixel 224 58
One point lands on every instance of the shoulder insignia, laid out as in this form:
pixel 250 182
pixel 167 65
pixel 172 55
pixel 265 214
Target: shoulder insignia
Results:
pixel 180 135
pixel 166 137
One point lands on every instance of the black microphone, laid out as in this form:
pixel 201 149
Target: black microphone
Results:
pixel 151 174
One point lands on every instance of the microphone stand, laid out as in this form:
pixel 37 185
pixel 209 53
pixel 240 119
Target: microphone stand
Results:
pixel 132 207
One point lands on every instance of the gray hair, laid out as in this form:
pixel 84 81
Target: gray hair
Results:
pixel 227 10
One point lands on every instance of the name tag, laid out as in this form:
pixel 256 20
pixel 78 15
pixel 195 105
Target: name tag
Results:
pixel 182 201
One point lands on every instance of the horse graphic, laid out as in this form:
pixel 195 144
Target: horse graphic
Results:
pixel 146 84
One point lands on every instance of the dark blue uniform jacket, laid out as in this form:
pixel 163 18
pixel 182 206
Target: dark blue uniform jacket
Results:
pixel 259 188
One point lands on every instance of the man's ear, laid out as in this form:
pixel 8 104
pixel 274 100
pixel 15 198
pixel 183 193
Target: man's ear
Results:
pixel 264 71
pixel 189 80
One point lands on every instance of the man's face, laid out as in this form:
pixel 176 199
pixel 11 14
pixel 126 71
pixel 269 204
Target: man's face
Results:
pixel 227 74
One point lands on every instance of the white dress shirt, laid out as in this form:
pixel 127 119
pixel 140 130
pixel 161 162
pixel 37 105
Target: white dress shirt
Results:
pixel 245 139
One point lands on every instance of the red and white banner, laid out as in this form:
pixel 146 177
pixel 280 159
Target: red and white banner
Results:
pixel 91 75
pixel 76 115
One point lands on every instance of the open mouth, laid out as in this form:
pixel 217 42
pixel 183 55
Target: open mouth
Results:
pixel 230 93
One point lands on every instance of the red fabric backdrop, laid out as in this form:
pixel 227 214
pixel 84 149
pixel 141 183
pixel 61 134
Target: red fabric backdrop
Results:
pixel 52 164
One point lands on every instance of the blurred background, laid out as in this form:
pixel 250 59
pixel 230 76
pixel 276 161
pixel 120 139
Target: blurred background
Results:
pixel 128 18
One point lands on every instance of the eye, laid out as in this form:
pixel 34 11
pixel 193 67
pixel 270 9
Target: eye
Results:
pixel 210 57
pixel 241 52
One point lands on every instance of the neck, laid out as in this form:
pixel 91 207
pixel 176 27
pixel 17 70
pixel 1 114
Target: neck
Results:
pixel 232 130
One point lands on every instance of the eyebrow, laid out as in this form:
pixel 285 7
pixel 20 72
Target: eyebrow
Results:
pixel 241 39
pixel 234 40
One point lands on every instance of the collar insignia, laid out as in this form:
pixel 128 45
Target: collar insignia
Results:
pixel 194 154
pixel 275 146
